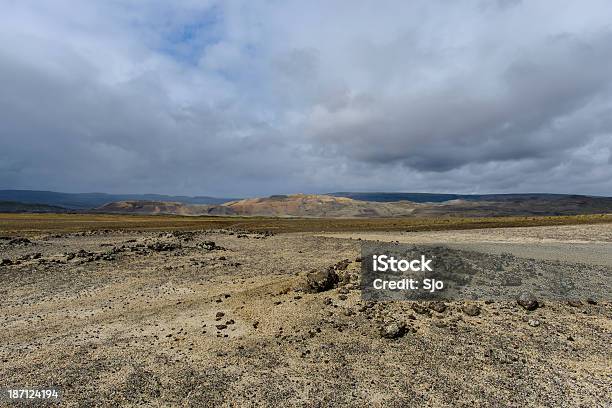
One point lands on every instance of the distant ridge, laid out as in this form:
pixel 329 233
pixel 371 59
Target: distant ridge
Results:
pixel 17 207
pixel 83 201
pixel 439 198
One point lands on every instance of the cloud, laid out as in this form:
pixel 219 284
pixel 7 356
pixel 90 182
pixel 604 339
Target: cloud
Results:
pixel 248 98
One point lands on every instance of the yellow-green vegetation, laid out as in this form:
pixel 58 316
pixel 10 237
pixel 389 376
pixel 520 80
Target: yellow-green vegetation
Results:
pixel 29 224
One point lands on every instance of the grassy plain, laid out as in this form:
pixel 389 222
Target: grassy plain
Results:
pixel 30 224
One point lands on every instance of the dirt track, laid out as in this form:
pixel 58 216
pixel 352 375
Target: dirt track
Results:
pixel 578 244
pixel 130 319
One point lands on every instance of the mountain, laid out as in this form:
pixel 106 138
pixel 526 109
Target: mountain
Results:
pixel 17 207
pixel 94 200
pixel 327 206
pixel 313 205
pixel 438 198
pixel 153 207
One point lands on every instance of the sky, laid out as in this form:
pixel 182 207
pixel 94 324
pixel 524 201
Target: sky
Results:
pixel 253 98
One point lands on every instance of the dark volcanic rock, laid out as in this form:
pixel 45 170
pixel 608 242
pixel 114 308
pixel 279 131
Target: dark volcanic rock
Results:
pixel 393 330
pixel 471 310
pixel 210 246
pixel 319 281
pixel 19 241
pixel 419 308
pixel 437 306
pixel 163 246
pixel 528 301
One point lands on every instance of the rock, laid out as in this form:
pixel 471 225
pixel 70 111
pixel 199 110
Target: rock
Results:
pixel 320 281
pixel 437 306
pixel 342 297
pixel 343 291
pixel 5 262
pixel 221 327
pixel 533 322
pixel 219 315
pixel 19 241
pixel 419 308
pixel 163 246
pixel 210 246
pixel 393 330
pixel 591 301
pixel 528 301
pixel 342 265
pixel 574 303
pixel 471 310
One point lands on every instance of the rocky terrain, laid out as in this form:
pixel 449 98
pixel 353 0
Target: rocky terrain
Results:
pixel 237 318
pixel 327 206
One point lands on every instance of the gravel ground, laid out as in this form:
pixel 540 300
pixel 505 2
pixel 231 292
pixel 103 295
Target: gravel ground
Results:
pixel 224 318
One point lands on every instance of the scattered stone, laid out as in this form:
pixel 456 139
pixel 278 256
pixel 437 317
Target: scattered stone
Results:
pixel 393 330
pixel 471 310
pixel 533 322
pixel 210 246
pixel 342 297
pixel 574 303
pixel 163 246
pixel 343 291
pixel 19 241
pixel 342 265
pixel 419 308
pixel 528 301
pixel 320 281
pixel 255 325
pixel 437 306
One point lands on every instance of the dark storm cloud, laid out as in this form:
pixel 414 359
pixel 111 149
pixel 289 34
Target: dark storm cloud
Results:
pixel 462 123
pixel 246 98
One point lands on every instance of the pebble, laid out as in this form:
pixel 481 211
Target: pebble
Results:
pixel 533 322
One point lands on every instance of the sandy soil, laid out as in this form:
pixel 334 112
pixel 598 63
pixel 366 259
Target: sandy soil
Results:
pixel 150 319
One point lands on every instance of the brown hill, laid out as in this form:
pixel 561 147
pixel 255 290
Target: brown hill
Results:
pixel 312 205
pixel 325 206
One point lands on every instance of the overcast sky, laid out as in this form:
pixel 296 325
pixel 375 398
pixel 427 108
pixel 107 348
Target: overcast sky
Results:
pixel 253 98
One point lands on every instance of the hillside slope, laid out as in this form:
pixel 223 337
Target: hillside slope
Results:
pixel 325 206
